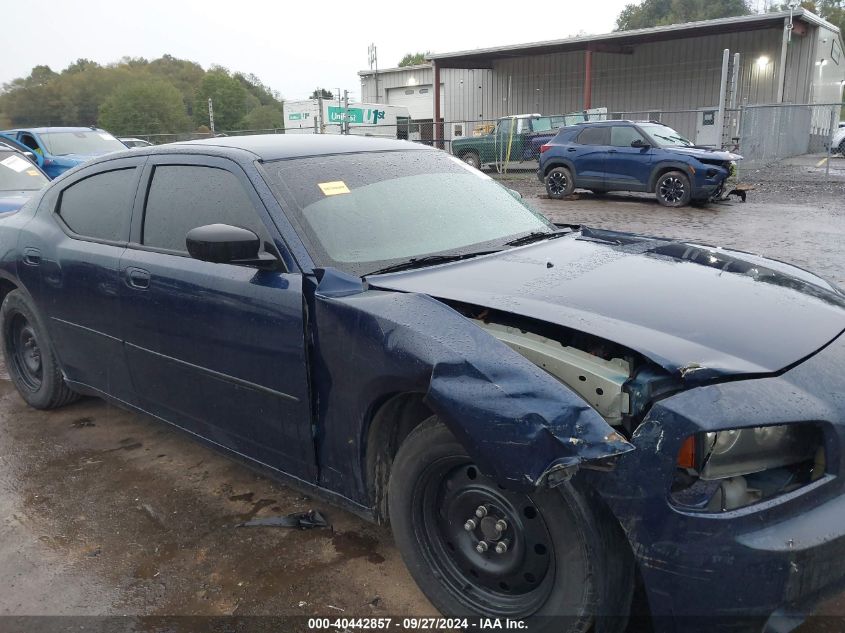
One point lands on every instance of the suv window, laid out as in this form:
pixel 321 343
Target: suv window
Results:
pixel 624 135
pixel 183 197
pixel 595 136
pixel 100 206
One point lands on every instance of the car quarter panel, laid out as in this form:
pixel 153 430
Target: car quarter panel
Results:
pixel 518 423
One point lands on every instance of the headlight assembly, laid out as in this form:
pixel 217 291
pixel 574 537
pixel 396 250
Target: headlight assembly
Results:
pixel 731 468
pixel 745 451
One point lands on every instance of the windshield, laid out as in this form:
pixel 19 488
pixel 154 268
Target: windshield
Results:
pixel 18 174
pixel 542 124
pixel 665 136
pixel 94 142
pixel 363 212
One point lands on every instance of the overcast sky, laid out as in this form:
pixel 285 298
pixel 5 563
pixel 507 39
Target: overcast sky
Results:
pixel 291 46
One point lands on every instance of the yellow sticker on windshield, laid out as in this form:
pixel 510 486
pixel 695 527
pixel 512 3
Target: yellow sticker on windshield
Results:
pixel 333 188
pixel 32 172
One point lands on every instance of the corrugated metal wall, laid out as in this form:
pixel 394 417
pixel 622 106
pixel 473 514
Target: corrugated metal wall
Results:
pixel 660 76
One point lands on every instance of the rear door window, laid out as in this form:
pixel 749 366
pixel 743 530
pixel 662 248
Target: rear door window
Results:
pixel 595 136
pixel 100 206
pixel 183 197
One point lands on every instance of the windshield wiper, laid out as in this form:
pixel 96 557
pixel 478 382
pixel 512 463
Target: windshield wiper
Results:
pixel 428 260
pixel 536 236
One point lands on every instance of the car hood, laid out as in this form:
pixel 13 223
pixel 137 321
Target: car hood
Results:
pixel 13 200
pixel 700 312
pixel 704 153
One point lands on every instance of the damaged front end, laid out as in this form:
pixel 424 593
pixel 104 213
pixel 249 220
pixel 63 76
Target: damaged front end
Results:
pixel 517 422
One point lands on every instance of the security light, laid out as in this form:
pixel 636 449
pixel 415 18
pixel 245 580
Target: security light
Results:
pixel 762 61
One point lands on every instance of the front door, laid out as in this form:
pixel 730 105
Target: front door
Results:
pixel 626 167
pixel 218 349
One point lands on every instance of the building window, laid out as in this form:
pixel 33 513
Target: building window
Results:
pixel 423 91
pixel 409 92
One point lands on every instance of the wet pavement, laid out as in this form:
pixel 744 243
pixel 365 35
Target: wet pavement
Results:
pixel 107 512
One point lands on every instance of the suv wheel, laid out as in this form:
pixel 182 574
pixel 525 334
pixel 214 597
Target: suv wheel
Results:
pixel 673 189
pixel 559 183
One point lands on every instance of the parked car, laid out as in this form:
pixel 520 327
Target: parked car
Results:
pixel 838 143
pixel 131 142
pixel 20 178
pixel 509 141
pixel 62 148
pixel 633 156
pixel 546 415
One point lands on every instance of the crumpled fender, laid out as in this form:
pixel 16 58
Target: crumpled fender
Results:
pixel 516 421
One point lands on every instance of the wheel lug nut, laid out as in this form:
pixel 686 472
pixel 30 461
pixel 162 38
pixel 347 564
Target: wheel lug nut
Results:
pixel 501 547
pixel 469 526
pixel 481 512
pixel 501 525
pixel 481 547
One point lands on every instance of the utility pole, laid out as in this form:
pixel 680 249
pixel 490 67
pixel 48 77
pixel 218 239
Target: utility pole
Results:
pixel 345 128
pixel 320 109
pixel 373 58
pixel 211 116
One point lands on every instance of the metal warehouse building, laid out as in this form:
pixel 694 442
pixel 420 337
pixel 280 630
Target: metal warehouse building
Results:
pixel 674 73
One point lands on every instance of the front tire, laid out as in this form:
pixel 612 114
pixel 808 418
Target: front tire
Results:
pixel 30 359
pixel 673 189
pixel 842 148
pixel 559 183
pixel 554 561
pixel 472 159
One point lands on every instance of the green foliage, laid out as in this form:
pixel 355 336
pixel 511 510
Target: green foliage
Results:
pixel 321 92
pixel 264 117
pixel 153 105
pixel 650 13
pixel 134 92
pixel 413 59
pixel 228 97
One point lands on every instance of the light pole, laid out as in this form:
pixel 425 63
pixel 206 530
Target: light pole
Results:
pixel 373 58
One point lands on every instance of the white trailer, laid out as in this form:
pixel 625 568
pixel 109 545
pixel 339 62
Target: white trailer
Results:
pixel 362 119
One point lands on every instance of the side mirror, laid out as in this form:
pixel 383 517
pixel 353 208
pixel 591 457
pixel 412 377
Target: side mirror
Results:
pixel 226 244
pixel 639 143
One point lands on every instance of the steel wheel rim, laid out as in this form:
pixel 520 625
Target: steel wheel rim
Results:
pixel 557 183
pixel 515 582
pixel 26 352
pixel 672 189
pixel 469 159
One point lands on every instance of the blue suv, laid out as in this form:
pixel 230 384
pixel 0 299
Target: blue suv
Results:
pixel 633 156
pixel 58 149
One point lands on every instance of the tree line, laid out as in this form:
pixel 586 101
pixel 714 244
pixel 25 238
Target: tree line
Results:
pixel 139 96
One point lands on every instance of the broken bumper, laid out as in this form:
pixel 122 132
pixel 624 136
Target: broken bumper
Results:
pixel 767 578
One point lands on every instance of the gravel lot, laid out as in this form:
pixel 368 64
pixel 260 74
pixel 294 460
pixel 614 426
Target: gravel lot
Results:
pixel 107 512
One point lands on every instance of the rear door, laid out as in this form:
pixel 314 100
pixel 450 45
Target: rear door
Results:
pixel 628 168
pixel 215 348
pixel 589 155
pixel 70 259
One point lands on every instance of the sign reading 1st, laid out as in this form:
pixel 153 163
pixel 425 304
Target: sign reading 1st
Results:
pixel 355 115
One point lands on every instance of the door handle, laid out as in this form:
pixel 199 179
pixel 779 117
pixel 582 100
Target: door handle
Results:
pixel 613 151
pixel 31 256
pixel 138 278
pixel 571 149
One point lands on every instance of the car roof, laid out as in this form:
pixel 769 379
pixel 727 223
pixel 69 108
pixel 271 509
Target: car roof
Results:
pixel 279 146
pixel 44 130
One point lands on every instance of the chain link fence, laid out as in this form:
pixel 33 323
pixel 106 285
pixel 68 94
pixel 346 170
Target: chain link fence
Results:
pixel 760 133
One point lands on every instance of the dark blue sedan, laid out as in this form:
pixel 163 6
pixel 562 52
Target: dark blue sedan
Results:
pixel 547 416
pixel 642 156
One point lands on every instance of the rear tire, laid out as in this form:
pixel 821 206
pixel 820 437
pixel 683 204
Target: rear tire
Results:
pixel 565 556
pixel 842 148
pixel 30 359
pixel 673 189
pixel 472 159
pixel 559 183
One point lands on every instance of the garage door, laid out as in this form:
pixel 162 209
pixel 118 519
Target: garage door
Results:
pixel 418 100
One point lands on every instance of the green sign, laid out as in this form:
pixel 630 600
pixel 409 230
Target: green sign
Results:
pixel 295 116
pixel 355 115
